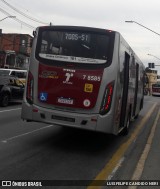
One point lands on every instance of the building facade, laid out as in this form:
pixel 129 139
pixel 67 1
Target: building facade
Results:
pixel 18 43
pixel 151 79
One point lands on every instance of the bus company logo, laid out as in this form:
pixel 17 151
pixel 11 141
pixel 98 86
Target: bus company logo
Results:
pixel 68 76
pixel 49 74
pixel 6 183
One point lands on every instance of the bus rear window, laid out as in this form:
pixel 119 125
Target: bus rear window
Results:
pixel 77 47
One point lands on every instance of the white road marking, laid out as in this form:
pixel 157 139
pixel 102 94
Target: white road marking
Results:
pixel 119 164
pixel 141 163
pixel 10 110
pixel 24 134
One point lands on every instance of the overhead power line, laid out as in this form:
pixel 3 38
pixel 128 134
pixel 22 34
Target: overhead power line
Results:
pixel 16 19
pixel 23 14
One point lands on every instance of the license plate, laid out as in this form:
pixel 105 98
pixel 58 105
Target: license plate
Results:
pixel 65 101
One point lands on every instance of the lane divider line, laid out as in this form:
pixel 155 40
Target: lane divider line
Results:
pixel 10 110
pixel 105 173
pixel 24 134
pixel 141 163
pixel 116 168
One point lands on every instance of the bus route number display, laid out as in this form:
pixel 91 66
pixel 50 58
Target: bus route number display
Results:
pixel 77 36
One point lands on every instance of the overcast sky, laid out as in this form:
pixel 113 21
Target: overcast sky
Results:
pixel 109 14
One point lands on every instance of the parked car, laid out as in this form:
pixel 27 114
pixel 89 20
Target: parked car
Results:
pixel 11 89
pixel 21 74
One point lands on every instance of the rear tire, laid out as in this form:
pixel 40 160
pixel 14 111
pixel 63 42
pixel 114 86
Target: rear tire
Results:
pixel 4 100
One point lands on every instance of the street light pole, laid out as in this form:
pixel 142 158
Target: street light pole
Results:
pixel 154 56
pixel 131 21
pixel 7 17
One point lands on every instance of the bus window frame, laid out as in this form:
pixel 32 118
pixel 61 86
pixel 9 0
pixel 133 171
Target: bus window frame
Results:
pixel 111 35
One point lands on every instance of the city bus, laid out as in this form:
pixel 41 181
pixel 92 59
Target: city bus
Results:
pixel 83 77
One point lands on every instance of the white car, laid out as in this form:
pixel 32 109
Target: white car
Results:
pixel 20 74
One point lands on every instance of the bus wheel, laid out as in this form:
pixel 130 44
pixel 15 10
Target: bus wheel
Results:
pixel 4 100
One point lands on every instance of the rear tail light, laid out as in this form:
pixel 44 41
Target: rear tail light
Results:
pixel 107 99
pixel 29 93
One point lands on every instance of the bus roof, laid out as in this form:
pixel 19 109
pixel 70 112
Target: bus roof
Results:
pixel 76 28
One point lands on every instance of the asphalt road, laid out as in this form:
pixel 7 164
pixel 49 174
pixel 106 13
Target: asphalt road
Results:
pixel 37 151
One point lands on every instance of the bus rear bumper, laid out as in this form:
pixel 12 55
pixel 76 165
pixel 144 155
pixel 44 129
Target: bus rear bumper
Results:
pixel 92 122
